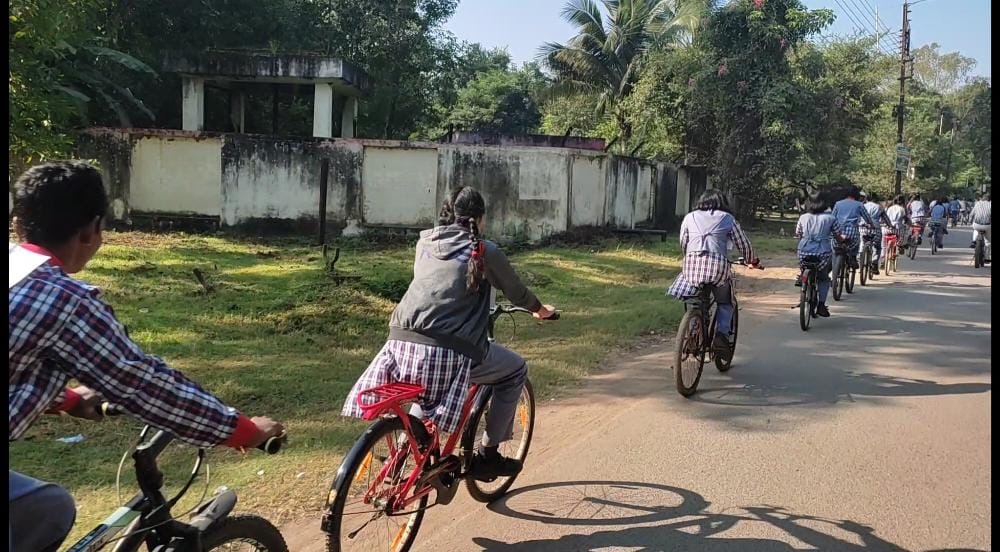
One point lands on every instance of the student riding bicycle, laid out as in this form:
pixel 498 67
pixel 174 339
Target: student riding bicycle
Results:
pixel 895 220
pixel 438 332
pixel 817 229
pixel 916 210
pixel 877 215
pixel 60 329
pixel 981 220
pixel 850 213
pixel 939 221
pixel 707 235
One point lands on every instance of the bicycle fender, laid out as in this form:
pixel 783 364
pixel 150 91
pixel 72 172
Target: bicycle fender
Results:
pixel 213 511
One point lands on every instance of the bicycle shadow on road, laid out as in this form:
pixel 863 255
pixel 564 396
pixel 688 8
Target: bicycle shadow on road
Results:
pixel 678 520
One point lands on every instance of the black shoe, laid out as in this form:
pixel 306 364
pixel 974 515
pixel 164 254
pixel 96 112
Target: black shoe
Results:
pixel 721 347
pixel 821 310
pixel 875 270
pixel 489 465
pixel 798 282
pixel 972 245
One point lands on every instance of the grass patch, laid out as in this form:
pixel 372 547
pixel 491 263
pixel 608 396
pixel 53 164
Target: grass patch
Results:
pixel 278 337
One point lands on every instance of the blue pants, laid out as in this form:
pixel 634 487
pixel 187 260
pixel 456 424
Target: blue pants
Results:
pixel 40 514
pixel 823 278
pixel 724 309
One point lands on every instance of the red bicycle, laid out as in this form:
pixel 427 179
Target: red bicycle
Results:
pixel 916 231
pixel 890 253
pixel 383 486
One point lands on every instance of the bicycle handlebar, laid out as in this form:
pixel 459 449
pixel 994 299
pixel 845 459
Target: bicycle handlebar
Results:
pixel 743 262
pixel 271 446
pixel 499 309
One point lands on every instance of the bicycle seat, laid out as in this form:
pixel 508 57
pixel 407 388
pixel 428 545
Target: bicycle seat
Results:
pixel 702 293
pixel 811 261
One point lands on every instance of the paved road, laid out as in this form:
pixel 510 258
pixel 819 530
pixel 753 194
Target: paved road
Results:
pixel 870 432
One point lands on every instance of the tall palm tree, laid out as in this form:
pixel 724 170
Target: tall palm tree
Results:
pixel 605 57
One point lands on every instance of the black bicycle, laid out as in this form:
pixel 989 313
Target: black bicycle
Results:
pixel 935 230
pixel 979 250
pixel 867 256
pixel 696 334
pixel 146 518
pixel 840 272
pixel 809 297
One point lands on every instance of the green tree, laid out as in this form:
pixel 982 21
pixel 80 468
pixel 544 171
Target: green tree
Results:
pixel 61 76
pixel 606 55
pixel 496 101
pixel 752 94
pixel 944 73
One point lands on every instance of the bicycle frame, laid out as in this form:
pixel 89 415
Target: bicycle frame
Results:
pixel 146 517
pixel 397 396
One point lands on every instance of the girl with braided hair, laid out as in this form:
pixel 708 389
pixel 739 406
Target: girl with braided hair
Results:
pixel 438 331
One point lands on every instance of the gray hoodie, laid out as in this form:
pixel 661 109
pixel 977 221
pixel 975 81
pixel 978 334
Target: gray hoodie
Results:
pixel 438 309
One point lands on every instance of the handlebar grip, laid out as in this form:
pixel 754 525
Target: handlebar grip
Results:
pixel 108 410
pixel 272 445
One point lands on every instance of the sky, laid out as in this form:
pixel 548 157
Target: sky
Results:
pixel 523 25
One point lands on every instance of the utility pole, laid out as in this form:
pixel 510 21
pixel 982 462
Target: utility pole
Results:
pixel 904 58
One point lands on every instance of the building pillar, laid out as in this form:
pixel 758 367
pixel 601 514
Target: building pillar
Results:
pixel 237 112
pixel 347 117
pixel 193 107
pixel 323 110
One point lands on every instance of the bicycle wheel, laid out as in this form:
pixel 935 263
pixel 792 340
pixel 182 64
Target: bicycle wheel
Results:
pixel 359 524
pixel 838 276
pixel 237 533
pixel 850 275
pixel 979 254
pixel 724 364
pixel 934 240
pixel 805 306
pixel 866 264
pixel 516 447
pixel 689 352
pixel 813 295
pixel 912 251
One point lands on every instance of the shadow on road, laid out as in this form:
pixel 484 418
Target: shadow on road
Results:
pixel 678 520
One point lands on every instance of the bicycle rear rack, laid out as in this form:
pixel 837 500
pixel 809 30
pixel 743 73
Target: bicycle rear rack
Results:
pixel 390 396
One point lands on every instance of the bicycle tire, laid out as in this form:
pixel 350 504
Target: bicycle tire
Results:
pixel 912 252
pixel 682 344
pixel 723 364
pixel 849 276
pixel 250 529
pixel 349 468
pixel 805 307
pixel 866 261
pixel 477 489
pixel 838 281
pixel 980 253
pixel 934 240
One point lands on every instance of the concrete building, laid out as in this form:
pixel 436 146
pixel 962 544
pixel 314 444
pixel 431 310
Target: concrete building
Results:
pixel 332 79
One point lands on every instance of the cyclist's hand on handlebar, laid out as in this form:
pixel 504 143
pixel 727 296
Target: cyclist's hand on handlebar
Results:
pixel 547 311
pixel 756 265
pixel 266 429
